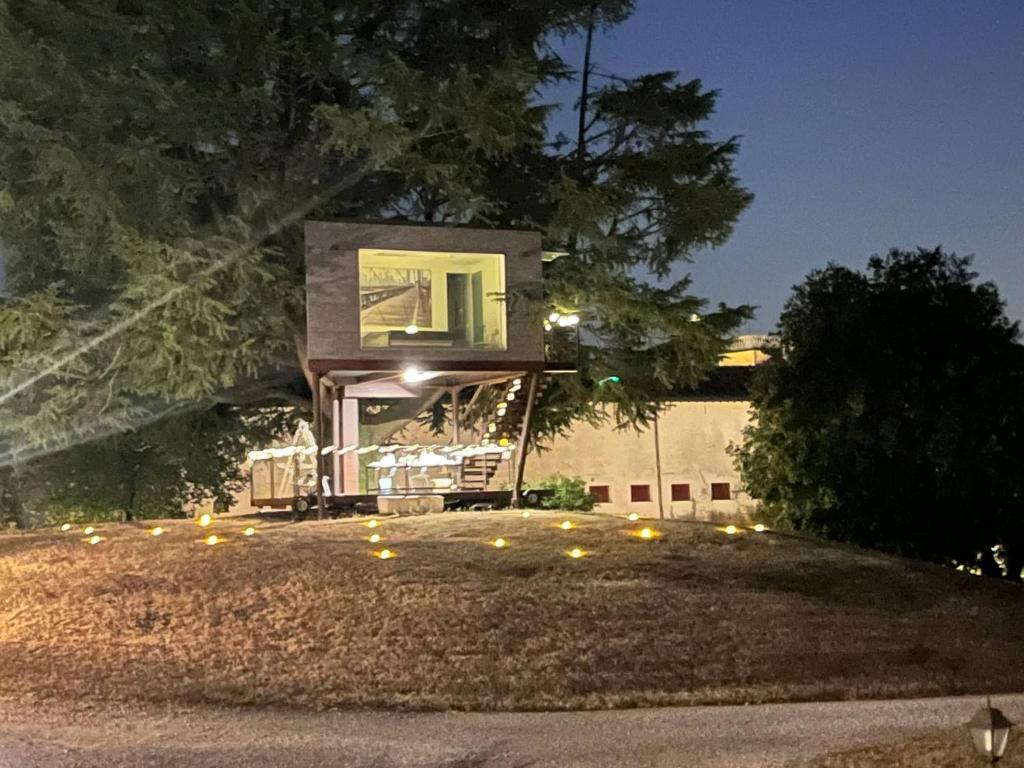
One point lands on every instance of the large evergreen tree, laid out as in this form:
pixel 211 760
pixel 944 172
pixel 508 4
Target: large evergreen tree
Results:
pixel 891 413
pixel 157 160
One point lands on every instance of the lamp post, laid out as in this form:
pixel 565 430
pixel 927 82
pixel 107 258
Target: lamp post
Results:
pixel 990 731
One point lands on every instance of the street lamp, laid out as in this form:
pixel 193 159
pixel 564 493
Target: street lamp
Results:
pixel 990 731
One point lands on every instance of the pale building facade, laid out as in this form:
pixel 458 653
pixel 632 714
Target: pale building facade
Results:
pixel 678 468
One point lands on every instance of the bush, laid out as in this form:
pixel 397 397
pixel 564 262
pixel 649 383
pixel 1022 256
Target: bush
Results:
pixel 569 493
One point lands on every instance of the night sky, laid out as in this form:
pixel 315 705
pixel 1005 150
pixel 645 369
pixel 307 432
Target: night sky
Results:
pixel 864 125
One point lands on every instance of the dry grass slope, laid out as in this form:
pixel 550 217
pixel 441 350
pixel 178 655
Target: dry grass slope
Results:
pixel 941 749
pixel 304 615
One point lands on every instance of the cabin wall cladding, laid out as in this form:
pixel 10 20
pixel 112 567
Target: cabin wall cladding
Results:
pixel 332 291
pixel 693 436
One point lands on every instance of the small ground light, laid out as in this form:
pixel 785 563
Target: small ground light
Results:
pixel 760 528
pixel 374 538
pixel 646 533
pixel 730 529
pixel 500 543
pixel 158 531
pixel 384 554
pixel 576 553
pixel 95 540
pixel 89 530
pixel 212 540
pixel 566 525
pixel 526 513
pixel 205 520
pixel 250 531
pixel 372 523
pixel 412 329
pixel 632 517
pixel 66 527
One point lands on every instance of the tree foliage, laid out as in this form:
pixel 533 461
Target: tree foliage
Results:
pixel 157 160
pixel 891 414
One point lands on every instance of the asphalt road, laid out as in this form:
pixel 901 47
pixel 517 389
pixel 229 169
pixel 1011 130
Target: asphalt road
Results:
pixel 768 735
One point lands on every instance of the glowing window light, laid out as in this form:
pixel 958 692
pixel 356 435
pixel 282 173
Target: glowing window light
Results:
pixel 412 329
pixel 526 514
pixel 89 530
pixel 205 520
pixel 250 531
pixel 384 554
pixel 567 525
pixel 760 528
pixel 374 538
pixel 158 531
pixel 212 540
pixel 66 527
pixel 500 543
pixel 576 553
pixel 372 523
pixel 95 539
pixel 730 530
pixel 632 517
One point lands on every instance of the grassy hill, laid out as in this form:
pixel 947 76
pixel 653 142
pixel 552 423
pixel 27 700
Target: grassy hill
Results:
pixel 306 615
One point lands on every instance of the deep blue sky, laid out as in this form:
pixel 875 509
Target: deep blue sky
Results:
pixel 864 124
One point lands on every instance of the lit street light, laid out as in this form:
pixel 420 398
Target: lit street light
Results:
pixel 990 731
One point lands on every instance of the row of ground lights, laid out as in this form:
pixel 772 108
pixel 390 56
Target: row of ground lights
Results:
pixel 204 521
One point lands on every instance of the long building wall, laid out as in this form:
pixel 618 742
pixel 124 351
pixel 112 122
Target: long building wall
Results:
pixel 692 439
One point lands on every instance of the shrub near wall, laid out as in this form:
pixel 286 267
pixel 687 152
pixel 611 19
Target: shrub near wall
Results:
pixel 570 493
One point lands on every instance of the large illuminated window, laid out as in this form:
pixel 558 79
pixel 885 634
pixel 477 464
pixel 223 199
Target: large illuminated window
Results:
pixel 427 299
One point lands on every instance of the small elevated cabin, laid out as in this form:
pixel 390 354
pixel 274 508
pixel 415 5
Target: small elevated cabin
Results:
pixel 408 319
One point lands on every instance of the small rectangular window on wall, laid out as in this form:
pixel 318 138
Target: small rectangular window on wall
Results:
pixel 639 493
pixel 600 494
pixel 680 491
pixel 720 492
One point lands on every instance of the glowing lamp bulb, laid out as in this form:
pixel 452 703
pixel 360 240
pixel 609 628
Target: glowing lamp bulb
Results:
pixel 730 529
pixel 205 520
pixel 646 533
pixel 547 326
pixel 374 538
pixel 89 530
pixel 553 317
pixel 212 540
pixel 566 525
pixel 158 531
pixel 250 531
pixel 385 554
pixel 95 540
pixel 575 553
pixel 511 396
pixel 412 329
pixel 372 523
pixel 632 517
pixel 66 527
pixel 500 543
pixel 760 528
